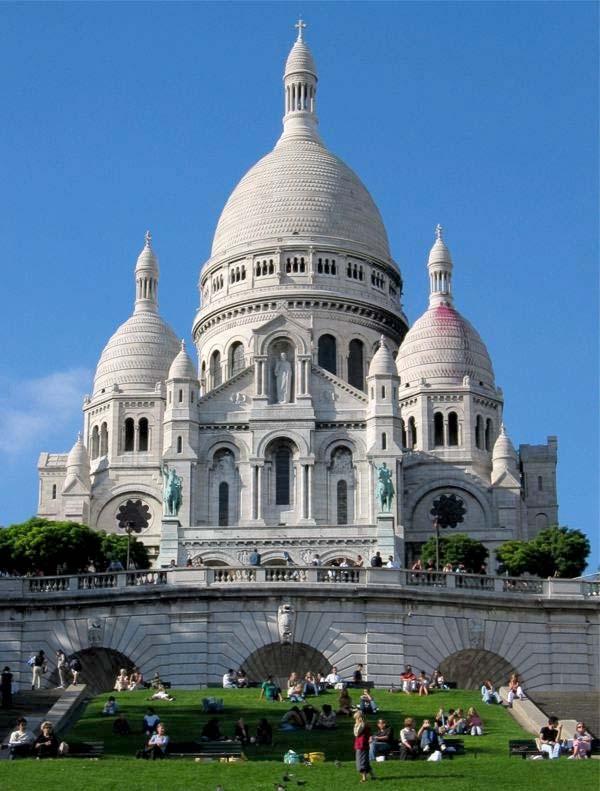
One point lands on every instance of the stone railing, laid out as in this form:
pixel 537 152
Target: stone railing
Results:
pixel 215 576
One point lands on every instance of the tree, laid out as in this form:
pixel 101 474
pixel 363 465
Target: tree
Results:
pixel 62 547
pixel 456 549
pixel 555 551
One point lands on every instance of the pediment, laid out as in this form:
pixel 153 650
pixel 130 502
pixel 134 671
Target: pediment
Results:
pixel 288 326
pixel 506 480
pixel 233 395
pixel 74 486
pixel 331 394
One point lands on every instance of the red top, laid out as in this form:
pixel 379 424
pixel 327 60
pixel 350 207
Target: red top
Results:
pixel 361 742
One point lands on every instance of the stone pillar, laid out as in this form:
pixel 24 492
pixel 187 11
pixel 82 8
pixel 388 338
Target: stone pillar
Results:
pixel 169 541
pixel 386 538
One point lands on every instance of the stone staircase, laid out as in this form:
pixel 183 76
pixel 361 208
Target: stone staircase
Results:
pixel 571 706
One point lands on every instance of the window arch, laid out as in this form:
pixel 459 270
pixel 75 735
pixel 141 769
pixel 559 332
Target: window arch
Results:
pixel 104 439
pixel 54 491
pixel 236 358
pixel 453 429
pixel 383 441
pixel 489 430
pixel 143 434
pixel 95 443
pixel 327 355
pixel 129 435
pixel 438 429
pixel 215 368
pixel 179 444
pixel 356 366
pixel 283 465
pixel 479 432
pixel 342 502
pixel 403 430
pixel 223 504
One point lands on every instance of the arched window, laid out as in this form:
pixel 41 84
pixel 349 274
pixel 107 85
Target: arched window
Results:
pixel 143 434
pixel 342 503
pixel 202 376
pixel 488 434
pixel 215 368
pixel 223 504
pixel 104 440
pixel 327 353
pixel 438 429
pixel 403 430
pixel 412 433
pixel 236 358
pixel 356 366
pixel 95 443
pixel 181 396
pixel 540 484
pixel 54 491
pixel 179 444
pixel 453 429
pixel 129 435
pixel 384 441
pixel 283 458
pixel 479 432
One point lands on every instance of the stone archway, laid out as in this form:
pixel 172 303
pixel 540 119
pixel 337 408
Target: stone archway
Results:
pixel 100 667
pixel 470 667
pixel 280 661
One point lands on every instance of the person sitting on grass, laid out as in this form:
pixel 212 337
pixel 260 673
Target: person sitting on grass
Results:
pixel 292 720
pixel 489 693
pixel 366 703
pixel 327 718
pixel 241 733
pixel 212 732
pixel 332 678
pixel 161 694
pixel 230 679
pixel 111 707
pixel 437 680
pixel 121 726
pixel 345 706
pixel 21 741
pixel 264 733
pixel 408 680
pixel 457 723
pixel 310 684
pixel 409 744
pixel 582 742
pixel 311 716
pixel 429 738
pixel 270 691
pixel 46 744
pixel 550 738
pixel 441 720
pixel 241 678
pixel 157 745
pixel 151 720
pixel 474 722
pixel 382 741
pixel 156 681
pixel 136 680
pixel 423 683
pixel 122 681
pixel 296 693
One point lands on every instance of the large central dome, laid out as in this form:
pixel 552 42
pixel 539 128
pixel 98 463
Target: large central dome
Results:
pixel 300 188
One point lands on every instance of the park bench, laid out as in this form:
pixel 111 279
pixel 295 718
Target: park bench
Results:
pixel 206 749
pixel 523 748
pixel 360 685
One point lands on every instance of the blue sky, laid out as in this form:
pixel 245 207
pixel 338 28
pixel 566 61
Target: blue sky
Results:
pixel 124 116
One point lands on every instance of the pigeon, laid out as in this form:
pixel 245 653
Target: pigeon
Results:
pixel 337 764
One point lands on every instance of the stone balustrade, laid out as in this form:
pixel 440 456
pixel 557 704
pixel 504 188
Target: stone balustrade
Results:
pixel 213 576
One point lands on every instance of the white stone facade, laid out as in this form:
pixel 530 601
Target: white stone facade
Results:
pixel 300 266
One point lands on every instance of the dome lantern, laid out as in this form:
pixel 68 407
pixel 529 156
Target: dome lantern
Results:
pixel 439 265
pixel 300 90
pixel 146 278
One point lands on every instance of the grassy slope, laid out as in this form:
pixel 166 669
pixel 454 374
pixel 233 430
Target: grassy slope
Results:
pixel 485 766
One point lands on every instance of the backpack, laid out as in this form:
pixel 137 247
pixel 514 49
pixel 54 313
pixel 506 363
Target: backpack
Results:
pixel 31 660
pixel 291 757
pixel 75 664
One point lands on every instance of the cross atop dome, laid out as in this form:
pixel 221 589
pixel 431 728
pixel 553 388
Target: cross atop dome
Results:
pixel 438 232
pixel 148 239
pixel 300 25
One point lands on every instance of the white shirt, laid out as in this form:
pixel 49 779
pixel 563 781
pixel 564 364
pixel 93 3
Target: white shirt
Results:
pixel 332 678
pixel 21 737
pixel 229 681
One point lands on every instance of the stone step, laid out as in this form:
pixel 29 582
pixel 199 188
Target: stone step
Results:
pixel 583 706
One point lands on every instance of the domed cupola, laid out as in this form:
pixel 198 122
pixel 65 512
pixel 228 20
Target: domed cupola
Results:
pixel 442 347
pixel 182 366
pixel 504 456
pixel 382 363
pixel 78 466
pixel 140 352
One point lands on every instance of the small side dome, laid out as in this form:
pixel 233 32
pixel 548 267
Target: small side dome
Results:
pixel 300 59
pixel 78 465
pixel 504 450
pixel 382 363
pixel 182 367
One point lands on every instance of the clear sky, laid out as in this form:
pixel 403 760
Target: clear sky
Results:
pixel 118 117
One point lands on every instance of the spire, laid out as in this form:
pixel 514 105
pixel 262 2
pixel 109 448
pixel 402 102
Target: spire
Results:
pixel 439 265
pixel 146 278
pixel 300 90
pixel 504 456
pixel 182 366
pixel 78 465
pixel 382 363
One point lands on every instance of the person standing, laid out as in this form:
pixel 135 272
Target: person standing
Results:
pixel 254 559
pixel 61 666
pixel 362 736
pixel 75 668
pixel 38 668
pixel 6 688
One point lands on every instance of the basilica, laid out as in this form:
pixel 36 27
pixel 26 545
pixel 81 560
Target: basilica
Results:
pixel 309 383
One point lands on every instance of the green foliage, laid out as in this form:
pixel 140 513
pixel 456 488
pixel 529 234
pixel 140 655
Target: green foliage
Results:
pixel 62 547
pixel 455 549
pixel 556 551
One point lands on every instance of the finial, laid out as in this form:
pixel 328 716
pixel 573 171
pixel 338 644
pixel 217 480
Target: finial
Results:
pixel 381 341
pixel 148 238
pixel 182 345
pixel 79 438
pixel 438 232
pixel 300 24
pixel 502 428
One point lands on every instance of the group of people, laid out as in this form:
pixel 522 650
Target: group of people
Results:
pixel 23 744
pixel 128 681
pixel 552 743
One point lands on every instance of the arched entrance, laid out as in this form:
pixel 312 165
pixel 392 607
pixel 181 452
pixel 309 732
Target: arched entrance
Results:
pixel 279 661
pixel 470 667
pixel 100 667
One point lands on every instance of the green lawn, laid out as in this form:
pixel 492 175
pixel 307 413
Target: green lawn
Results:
pixel 485 766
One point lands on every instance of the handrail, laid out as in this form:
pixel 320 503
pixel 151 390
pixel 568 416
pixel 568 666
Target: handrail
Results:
pixel 208 576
